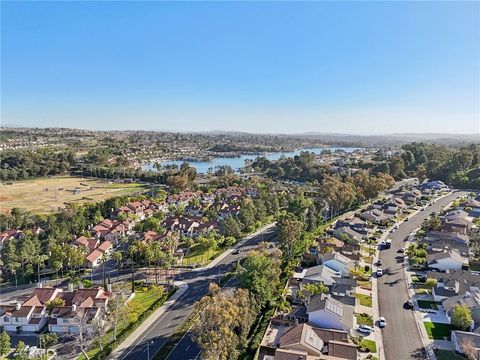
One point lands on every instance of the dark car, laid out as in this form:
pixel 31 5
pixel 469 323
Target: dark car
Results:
pixel 409 305
pixel 236 252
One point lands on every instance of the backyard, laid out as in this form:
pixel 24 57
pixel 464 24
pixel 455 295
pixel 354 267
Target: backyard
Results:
pixel 50 194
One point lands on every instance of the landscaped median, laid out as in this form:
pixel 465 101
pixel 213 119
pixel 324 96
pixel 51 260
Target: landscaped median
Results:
pixel 146 300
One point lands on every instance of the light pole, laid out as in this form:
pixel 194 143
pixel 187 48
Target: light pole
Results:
pixel 148 349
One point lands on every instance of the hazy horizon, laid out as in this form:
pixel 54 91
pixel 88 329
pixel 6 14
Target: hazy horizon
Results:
pixel 362 68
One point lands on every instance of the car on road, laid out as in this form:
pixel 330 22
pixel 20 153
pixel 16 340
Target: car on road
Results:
pixel 406 219
pixel 409 305
pixel 379 272
pixel 382 244
pixel 379 262
pixel 382 322
pixel 365 329
pixel 401 250
pixel 236 252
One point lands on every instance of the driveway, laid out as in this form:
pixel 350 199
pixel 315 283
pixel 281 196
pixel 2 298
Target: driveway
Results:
pixel 401 337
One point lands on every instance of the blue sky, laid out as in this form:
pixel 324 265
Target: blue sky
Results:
pixel 350 67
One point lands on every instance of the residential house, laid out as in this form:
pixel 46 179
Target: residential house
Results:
pixel 439 241
pixel 326 312
pixel 466 343
pixel 453 283
pixel 412 197
pixel 83 305
pixel 375 216
pixel 29 315
pixel 471 300
pixel 446 260
pixel 338 262
pixel 472 207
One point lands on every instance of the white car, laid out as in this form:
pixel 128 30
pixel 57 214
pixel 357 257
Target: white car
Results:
pixel 365 329
pixel 379 272
pixel 382 322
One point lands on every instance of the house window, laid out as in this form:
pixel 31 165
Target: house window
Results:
pixel 17 319
pixel 6 319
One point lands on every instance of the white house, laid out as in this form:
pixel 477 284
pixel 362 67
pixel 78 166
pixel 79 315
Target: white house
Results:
pixel 445 260
pixel 329 313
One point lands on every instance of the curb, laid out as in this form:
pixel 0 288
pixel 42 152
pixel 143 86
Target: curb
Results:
pixel 134 336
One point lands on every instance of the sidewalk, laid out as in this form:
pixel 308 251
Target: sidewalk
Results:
pixel 136 335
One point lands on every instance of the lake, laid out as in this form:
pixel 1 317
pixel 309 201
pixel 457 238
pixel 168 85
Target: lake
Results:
pixel 237 163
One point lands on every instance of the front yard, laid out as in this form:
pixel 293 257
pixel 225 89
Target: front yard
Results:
pixel 426 304
pixel 369 345
pixel 365 300
pixel 447 355
pixel 364 319
pixel 438 331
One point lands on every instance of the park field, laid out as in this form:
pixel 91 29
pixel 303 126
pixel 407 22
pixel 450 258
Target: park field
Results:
pixel 54 193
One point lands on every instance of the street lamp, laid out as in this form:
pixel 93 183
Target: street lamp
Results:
pixel 148 349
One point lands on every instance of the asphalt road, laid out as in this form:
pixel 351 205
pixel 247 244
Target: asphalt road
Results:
pixel 401 338
pixel 153 338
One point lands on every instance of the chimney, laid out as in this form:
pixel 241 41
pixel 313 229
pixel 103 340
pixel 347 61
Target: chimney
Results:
pixel 70 287
pixel 109 287
pixel 18 306
pixel 74 307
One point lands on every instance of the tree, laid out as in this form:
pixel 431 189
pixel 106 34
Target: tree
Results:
pixel 4 343
pixel 260 274
pixel 117 256
pixel 461 317
pixel 421 172
pixel 231 227
pixel 224 321
pixel 54 303
pixel 289 232
pixel 21 351
pixel 469 349
pixel 48 340
pixel 316 288
pixel 431 283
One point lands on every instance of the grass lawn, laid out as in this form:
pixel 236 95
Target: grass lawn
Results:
pixel 365 300
pixel 147 300
pixel 475 265
pixel 365 284
pixel 34 196
pixel 437 330
pixel 364 319
pixel 369 344
pixel 447 355
pixel 199 257
pixel 425 304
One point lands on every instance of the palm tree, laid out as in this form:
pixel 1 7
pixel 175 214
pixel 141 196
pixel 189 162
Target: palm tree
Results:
pixel 117 256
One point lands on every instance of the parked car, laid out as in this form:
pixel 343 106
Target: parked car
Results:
pixel 379 272
pixel 382 322
pixel 409 305
pixel 379 262
pixel 365 329
pixel 401 250
pixel 406 219
pixel 236 252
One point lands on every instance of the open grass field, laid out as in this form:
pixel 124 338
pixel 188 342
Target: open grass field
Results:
pixel 50 194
